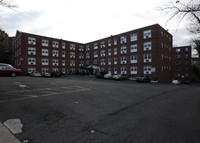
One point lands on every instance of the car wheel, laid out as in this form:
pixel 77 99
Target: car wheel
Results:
pixel 13 74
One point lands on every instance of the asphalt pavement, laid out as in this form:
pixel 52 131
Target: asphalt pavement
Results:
pixel 82 109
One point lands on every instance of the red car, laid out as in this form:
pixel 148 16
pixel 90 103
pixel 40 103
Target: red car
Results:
pixel 8 70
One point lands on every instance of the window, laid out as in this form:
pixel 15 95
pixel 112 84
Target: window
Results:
pixel 63 62
pixel 109 61
pixel 178 69
pixel 55 62
pixel 147 46
pixel 147 69
pixel 96 46
pixel 72 70
pixel 115 51
pixel 123 70
pixel 81 55
pixel 31 41
pixel 30 70
pixel 109 52
pixel 81 48
pixel 103 62
pixel 63 71
pixel 123 60
pixel 123 50
pixel 95 62
pixel 178 75
pixel 147 34
pixel 44 70
pixel 115 41
pixel 72 63
pixel 103 44
pixel 103 53
pixel 72 46
pixel 87 62
pixel 55 44
pixel 63 54
pixel 45 52
pixel 55 53
pixel 109 42
pixel 115 70
pixel 81 63
pixel 133 70
pixel 45 42
pixel 72 55
pixel 55 70
pixel 87 47
pixel 186 49
pixel 133 59
pixel 178 50
pixel 102 69
pixel 133 48
pixel 186 56
pixel 87 55
pixel 147 58
pixel 123 39
pixel 45 62
pixel 178 56
pixel 95 54
pixel 178 62
pixel 109 70
pixel 31 61
pixel 115 60
pixel 133 37
pixel 31 51
pixel 63 45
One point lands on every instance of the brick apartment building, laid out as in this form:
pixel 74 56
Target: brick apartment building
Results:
pixel 144 51
pixel 182 63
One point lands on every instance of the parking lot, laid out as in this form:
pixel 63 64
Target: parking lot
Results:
pixel 83 109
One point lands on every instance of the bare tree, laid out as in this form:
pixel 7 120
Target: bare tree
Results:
pixel 8 4
pixel 189 9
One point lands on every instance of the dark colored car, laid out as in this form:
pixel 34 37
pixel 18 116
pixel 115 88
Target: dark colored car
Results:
pixel 8 70
pixel 143 79
pixel 100 74
pixel 55 74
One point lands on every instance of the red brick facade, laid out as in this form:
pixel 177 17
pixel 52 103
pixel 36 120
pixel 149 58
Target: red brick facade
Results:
pixel 182 63
pixel 144 51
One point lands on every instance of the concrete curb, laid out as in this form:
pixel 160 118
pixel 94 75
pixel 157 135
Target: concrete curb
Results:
pixel 6 136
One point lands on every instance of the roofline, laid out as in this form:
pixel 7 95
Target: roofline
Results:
pixel 91 41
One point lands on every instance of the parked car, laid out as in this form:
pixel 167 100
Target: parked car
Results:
pixel 176 82
pixel 35 74
pixel 46 74
pixel 108 76
pixel 100 74
pixel 143 79
pixel 8 70
pixel 120 77
pixel 55 74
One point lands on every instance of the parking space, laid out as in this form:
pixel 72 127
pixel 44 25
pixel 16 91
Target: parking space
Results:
pixel 35 93
pixel 86 109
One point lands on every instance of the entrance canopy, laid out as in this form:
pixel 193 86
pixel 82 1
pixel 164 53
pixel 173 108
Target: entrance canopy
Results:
pixel 93 67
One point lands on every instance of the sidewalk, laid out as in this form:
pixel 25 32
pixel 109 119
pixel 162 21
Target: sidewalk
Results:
pixel 6 136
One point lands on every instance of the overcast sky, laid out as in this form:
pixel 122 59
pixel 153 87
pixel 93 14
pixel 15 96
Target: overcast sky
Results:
pixel 88 20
